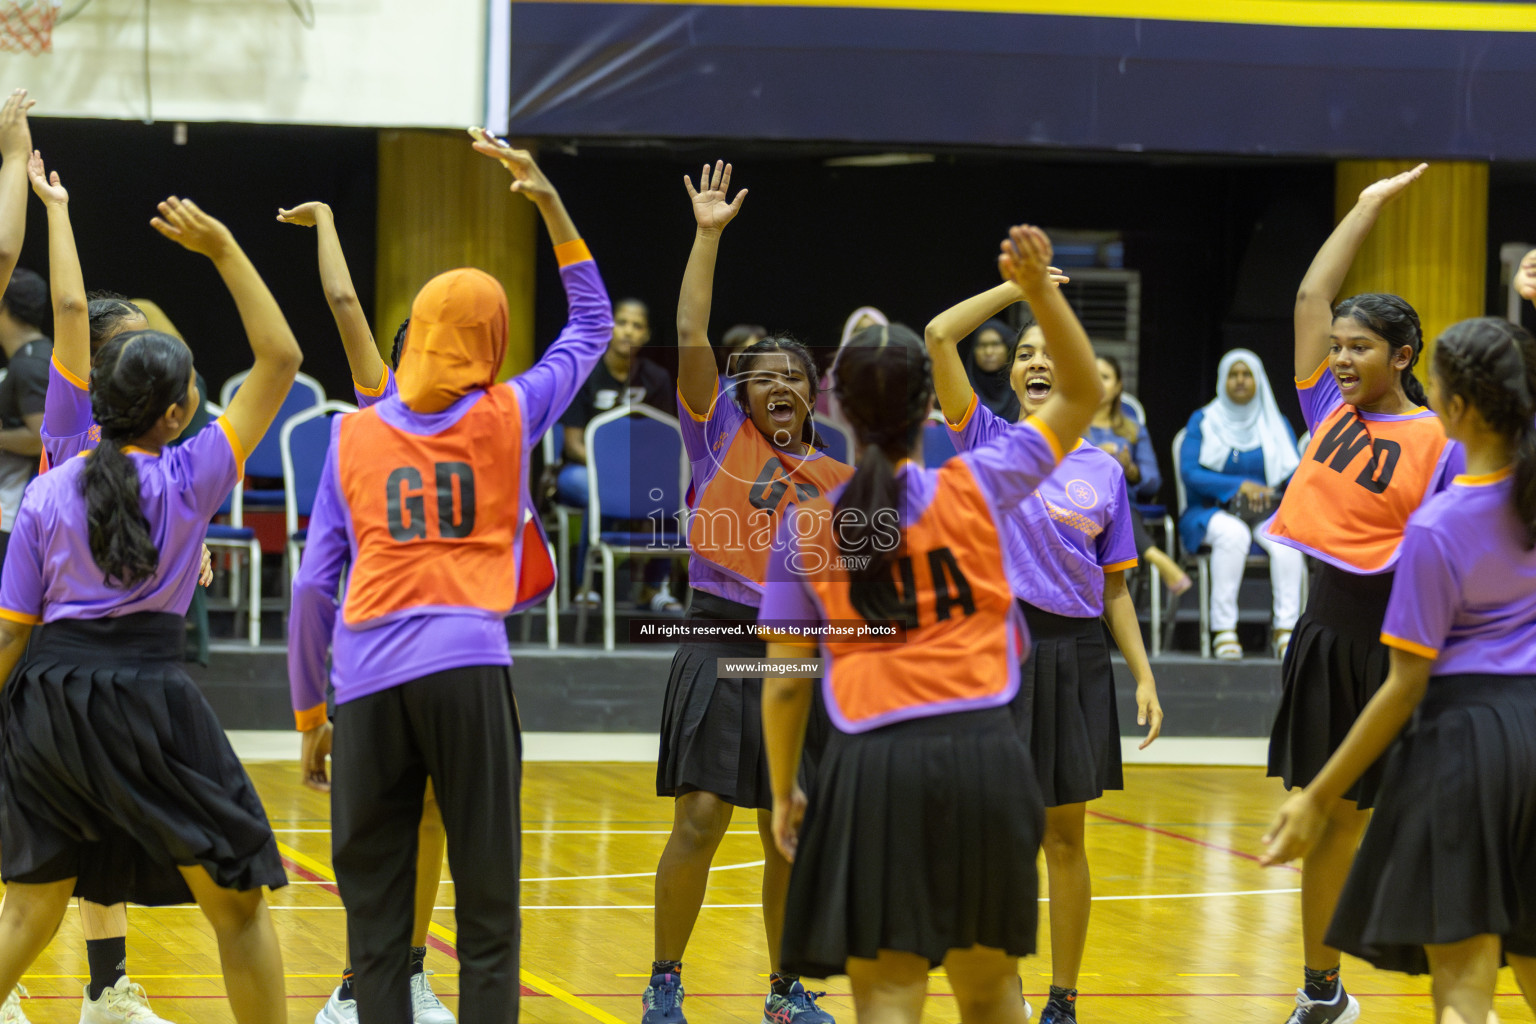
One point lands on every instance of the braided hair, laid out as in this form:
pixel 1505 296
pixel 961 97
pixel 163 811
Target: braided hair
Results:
pixel 1394 321
pixel 1491 364
pixel 108 312
pixel 744 363
pixel 135 377
pixel 885 386
pixel 399 347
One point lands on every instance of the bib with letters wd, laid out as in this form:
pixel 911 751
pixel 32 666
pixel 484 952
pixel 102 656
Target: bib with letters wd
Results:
pixel 1362 476
pixel 736 517
pixel 965 649
pixel 435 516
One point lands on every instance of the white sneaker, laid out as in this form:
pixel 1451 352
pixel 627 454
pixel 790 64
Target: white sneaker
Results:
pixel 426 1008
pixel 663 601
pixel 10 1010
pixel 335 1011
pixel 122 1003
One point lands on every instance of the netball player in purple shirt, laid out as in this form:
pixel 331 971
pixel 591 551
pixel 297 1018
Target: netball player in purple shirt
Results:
pixel 373 382
pixel 1445 880
pixel 106 556
pixel 1069 544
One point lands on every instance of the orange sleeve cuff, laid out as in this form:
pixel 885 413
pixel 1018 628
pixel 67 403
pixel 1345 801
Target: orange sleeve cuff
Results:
pixel 965 417
pixel 21 617
pixel 311 718
pixel 1409 646
pixel 374 392
pixel 76 381
pixel 683 403
pixel 1317 375
pixel 1049 435
pixel 574 251
pixel 234 446
pixel 1120 566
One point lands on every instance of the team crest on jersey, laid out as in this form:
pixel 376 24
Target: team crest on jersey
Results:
pixel 1082 494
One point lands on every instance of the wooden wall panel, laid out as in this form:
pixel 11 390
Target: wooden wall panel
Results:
pixel 441 206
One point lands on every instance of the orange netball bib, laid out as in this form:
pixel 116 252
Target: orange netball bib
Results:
pixel 435 515
pixel 1361 478
pixel 949 576
pixel 736 517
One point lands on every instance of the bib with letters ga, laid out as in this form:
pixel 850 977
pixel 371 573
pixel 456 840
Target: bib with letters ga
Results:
pixel 735 519
pixel 963 652
pixel 1362 476
pixel 435 515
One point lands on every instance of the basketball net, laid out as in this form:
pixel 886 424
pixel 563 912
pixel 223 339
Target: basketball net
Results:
pixel 26 26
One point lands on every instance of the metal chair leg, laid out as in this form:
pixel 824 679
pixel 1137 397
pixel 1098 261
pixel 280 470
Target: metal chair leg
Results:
pixel 255 596
pixel 608 589
pixel 1156 581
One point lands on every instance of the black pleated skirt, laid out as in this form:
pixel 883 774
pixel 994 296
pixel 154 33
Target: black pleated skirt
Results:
pixel 114 769
pixel 712 728
pixel 1065 709
pixel 1451 850
pixel 1335 663
pixel 921 837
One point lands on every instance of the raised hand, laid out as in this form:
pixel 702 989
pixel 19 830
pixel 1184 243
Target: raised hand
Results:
pixel 527 179
pixel 1026 259
pixel 304 215
pixel 182 222
pixel 47 186
pixel 1387 189
pixel 15 132
pixel 710 210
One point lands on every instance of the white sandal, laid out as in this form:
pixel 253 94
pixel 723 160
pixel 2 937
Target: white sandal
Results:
pixel 1225 645
pixel 1282 642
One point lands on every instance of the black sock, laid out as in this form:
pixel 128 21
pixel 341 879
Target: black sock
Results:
pixel 667 967
pixel 418 959
pixel 109 961
pixel 1322 985
pixel 345 991
pixel 1065 997
pixel 782 983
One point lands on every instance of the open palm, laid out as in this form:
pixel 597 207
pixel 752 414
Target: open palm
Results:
pixel 1388 188
pixel 710 210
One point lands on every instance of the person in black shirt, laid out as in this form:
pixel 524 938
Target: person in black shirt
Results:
pixel 620 378
pixel 24 312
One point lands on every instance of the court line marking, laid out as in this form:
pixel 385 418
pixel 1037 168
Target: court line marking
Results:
pixel 583 878
pixel 540 832
pixel 527 977
pixel 1188 839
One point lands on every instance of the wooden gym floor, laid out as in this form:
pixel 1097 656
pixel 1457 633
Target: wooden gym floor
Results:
pixel 1186 926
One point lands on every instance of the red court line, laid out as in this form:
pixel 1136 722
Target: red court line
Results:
pixel 330 887
pixel 1188 839
pixel 1290 994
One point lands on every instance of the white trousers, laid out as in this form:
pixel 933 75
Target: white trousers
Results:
pixel 1231 540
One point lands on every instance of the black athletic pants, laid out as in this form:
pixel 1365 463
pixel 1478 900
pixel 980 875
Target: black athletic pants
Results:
pixel 460 729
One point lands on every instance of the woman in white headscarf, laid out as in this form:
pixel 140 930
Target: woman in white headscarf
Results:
pixel 1237 454
pixel 826 402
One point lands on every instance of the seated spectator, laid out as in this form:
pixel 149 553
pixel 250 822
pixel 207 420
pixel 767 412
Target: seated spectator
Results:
pixel 621 378
pixel 1116 429
pixel 1238 453
pixel 826 402
pixel 988 357
pixel 24 314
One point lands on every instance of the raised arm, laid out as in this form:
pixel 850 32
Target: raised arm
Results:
pixel 15 149
pixel 943 336
pixel 356 338
pixel 277 355
pixel 696 372
pixel 1025 260
pixel 1325 277
pixel 71 317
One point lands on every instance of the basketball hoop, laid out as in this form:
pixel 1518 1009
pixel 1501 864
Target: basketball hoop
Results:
pixel 26 26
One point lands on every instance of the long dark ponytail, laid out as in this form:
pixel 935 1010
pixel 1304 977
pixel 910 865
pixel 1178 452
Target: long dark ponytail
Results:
pixel 885 386
pixel 136 376
pixel 1491 364
pixel 1391 318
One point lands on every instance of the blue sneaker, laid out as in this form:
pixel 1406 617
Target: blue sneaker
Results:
pixel 1060 1009
pixel 799 1007
pixel 663 1000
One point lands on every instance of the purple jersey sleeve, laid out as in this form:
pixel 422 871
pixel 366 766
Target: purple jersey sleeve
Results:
pixel 386 389
pixel 1115 547
pixel 787 597
pixel 21 579
pixel 327 550
pixel 706 431
pixel 978 426
pixel 67 427
pixel 1319 395
pixel 1011 465
pixel 207 467
pixel 546 389
pixel 1425 595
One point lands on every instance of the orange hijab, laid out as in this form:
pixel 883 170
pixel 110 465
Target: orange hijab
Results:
pixel 456 341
